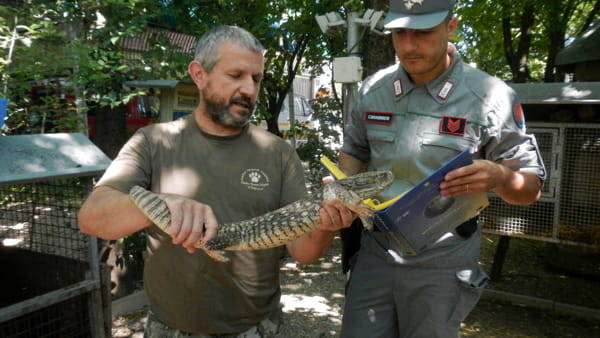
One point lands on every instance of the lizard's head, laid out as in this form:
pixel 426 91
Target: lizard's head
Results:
pixel 368 184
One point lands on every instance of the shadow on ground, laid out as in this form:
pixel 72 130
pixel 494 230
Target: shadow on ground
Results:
pixel 313 296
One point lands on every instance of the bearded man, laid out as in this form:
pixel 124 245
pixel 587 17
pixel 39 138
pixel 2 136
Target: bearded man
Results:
pixel 213 167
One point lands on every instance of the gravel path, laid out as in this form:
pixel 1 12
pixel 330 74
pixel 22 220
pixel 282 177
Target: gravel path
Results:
pixel 313 298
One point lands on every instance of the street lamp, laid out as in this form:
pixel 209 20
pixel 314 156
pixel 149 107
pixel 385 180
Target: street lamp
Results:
pixel 330 23
pixel 374 20
pixel 348 70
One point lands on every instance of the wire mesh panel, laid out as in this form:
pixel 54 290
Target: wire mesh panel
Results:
pixel 580 187
pixel 535 221
pixel 567 211
pixel 65 319
pixel 48 291
pixel 41 217
pixel 54 272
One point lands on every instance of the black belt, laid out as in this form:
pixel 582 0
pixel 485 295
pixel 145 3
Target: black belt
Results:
pixel 466 229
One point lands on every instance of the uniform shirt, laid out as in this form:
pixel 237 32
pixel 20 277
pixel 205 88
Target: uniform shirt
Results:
pixel 240 177
pixel 413 130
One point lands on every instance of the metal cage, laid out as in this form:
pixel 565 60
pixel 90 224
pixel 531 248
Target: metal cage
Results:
pixel 568 210
pixel 51 284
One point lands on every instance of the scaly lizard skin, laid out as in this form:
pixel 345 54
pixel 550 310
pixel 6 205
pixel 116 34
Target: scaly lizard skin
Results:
pixel 280 226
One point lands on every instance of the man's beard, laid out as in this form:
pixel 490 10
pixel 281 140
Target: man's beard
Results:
pixel 219 110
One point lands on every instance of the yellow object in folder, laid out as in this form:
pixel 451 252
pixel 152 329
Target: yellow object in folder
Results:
pixel 338 174
pixel 333 169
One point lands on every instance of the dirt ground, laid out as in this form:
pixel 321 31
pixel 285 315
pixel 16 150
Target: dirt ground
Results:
pixel 313 296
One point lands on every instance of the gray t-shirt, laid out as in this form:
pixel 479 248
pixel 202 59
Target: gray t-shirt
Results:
pixel 239 177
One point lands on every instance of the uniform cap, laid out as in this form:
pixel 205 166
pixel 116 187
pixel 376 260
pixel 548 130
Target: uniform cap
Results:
pixel 417 14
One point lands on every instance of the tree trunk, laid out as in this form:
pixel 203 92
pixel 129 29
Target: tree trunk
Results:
pixel 517 58
pixel 378 49
pixel 109 131
pixel 555 45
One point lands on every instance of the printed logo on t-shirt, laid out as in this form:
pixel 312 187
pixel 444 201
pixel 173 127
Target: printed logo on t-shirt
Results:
pixel 453 125
pixel 378 117
pixel 255 179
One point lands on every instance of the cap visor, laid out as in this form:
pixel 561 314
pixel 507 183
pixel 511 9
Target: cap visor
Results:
pixel 423 21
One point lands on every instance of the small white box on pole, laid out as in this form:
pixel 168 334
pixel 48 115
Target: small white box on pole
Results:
pixel 347 69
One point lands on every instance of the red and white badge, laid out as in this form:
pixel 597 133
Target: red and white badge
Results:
pixel 453 125
pixel 445 90
pixel 397 87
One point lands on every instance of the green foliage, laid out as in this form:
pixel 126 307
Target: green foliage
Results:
pixel 72 47
pixel 326 138
pixel 77 44
pixel 33 48
pixel 287 29
pixel 90 52
pixel 80 40
pixel 495 33
pixel 49 115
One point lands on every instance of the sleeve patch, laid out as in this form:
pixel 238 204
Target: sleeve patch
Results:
pixel 518 115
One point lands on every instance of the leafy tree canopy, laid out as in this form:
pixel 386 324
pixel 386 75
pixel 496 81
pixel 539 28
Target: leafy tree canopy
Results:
pixel 80 40
pixel 518 40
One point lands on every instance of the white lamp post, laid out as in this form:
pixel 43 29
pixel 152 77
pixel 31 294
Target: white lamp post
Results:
pixel 348 70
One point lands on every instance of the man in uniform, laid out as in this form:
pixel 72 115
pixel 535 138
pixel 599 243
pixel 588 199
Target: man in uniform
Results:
pixel 411 118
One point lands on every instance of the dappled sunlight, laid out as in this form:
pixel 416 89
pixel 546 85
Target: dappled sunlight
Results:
pixel 306 276
pixel 313 295
pixel 12 241
pixel 47 155
pixel 467 330
pixel 315 305
pixel 184 187
pixel 13 235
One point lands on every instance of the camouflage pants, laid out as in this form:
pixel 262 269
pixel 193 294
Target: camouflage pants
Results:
pixel 267 328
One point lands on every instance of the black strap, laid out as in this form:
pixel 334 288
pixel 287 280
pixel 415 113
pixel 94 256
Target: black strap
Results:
pixel 468 228
pixel 350 244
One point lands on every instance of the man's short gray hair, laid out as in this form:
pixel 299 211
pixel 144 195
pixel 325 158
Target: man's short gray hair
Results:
pixel 207 48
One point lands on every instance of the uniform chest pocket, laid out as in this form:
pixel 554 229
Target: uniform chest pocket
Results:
pixel 457 143
pixel 439 148
pixel 383 137
pixel 381 142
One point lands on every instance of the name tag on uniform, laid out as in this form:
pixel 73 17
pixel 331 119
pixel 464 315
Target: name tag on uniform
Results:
pixel 445 90
pixel 398 88
pixel 453 125
pixel 378 117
